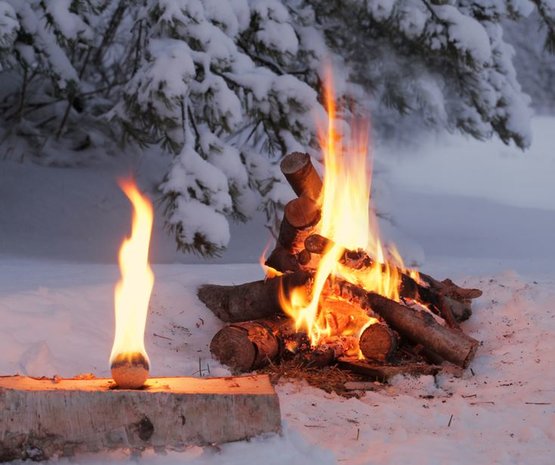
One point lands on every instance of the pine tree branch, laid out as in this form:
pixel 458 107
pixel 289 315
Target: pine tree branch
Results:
pixel 110 32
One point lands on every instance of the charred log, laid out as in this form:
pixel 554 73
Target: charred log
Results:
pixel 385 372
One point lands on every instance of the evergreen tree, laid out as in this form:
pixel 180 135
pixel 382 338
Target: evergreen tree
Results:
pixel 229 86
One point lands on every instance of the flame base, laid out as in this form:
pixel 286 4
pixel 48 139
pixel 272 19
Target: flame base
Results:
pixel 130 371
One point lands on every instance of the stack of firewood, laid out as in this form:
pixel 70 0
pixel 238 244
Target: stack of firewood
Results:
pixel 424 323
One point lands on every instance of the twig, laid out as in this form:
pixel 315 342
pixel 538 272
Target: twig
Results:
pixel 450 420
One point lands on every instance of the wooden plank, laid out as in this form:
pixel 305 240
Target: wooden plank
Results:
pixel 41 418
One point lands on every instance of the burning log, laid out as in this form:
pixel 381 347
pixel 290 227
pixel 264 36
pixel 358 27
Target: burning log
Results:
pixel 300 216
pixel 249 345
pixel 301 175
pixel 250 301
pixel 417 326
pixel 42 418
pixel 442 296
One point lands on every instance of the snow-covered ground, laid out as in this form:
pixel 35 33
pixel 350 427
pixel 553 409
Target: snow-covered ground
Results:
pixel 481 213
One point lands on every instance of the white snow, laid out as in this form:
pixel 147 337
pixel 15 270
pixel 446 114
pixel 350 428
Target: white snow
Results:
pixel 465 33
pixel 482 213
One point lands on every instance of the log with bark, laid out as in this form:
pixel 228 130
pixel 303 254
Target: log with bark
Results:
pixel 42 418
pixel 378 343
pixel 250 301
pixel 250 345
pixel 300 215
pixel 417 326
pixel 381 372
pixel 253 344
pixel 299 171
pixel 260 299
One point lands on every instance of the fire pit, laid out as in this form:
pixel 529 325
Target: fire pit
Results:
pixel 333 293
pixel 42 418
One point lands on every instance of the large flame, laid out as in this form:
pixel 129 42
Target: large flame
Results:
pixel 349 221
pixel 132 292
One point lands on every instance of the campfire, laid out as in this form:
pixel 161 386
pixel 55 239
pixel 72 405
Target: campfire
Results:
pixel 333 293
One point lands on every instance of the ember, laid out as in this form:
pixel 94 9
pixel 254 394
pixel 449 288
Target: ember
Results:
pixel 344 295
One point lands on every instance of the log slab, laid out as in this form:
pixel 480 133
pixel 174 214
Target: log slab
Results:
pixel 43 418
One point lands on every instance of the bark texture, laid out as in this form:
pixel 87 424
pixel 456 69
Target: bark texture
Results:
pixel 41 418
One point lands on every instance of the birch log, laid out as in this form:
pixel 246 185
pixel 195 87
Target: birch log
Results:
pixel 42 418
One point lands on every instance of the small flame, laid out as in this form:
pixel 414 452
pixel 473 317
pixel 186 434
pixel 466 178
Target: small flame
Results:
pixel 350 222
pixel 269 272
pixel 132 292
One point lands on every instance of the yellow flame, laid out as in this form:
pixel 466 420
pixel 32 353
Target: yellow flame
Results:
pixel 269 272
pixel 349 221
pixel 132 292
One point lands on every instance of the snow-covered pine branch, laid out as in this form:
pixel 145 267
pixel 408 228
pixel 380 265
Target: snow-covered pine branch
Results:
pixel 229 86
pixel 212 72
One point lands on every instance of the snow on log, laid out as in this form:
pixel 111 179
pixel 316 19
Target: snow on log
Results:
pixel 41 418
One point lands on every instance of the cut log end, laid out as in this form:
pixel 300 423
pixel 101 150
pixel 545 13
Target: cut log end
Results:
pixel 250 345
pixel 302 213
pixel 378 343
pixel 232 347
pixel 301 175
